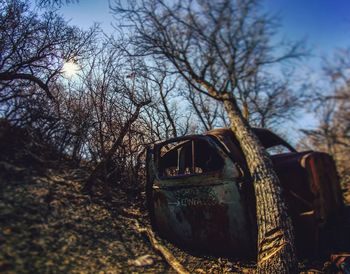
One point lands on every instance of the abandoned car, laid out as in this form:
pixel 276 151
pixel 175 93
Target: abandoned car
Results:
pixel 200 194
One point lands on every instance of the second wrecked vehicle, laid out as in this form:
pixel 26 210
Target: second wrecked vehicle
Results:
pixel 200 194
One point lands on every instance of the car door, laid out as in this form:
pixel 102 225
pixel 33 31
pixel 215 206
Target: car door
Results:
pixel 195 197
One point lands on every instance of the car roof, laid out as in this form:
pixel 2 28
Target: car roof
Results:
pixel 267 138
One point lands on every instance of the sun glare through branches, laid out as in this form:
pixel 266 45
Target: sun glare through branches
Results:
pixel 70 69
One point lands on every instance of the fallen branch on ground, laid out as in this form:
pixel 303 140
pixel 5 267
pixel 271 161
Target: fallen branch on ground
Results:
pixel 167 255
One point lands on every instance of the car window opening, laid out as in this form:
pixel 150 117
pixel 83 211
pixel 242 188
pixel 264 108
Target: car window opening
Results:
pixel 188 157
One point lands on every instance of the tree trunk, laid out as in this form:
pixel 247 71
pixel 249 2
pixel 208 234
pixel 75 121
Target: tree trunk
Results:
pixel 276 251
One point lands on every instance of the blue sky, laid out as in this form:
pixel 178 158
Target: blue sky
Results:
pixel 325 24
pixel 87 12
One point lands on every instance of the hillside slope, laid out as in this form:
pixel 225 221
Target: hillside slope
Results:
pixel 48 226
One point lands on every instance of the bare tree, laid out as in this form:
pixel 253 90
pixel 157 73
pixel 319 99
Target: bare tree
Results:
pixel 217 47
pixel 165 117
pixel 163 86
pixel 271 101
pixel 96 116
pixel 332 135
pixel 34 49
pixel 111 96
pixel 206 108
pixel 266 101
pixel 55 3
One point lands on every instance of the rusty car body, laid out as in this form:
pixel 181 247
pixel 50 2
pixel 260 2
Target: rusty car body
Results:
pixel 200 194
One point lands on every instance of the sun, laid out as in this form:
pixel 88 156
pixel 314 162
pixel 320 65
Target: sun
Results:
pixel 70 69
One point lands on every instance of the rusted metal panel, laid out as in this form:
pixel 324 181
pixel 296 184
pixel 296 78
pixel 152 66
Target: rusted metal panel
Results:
pixel 206 217
pixel 324 184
